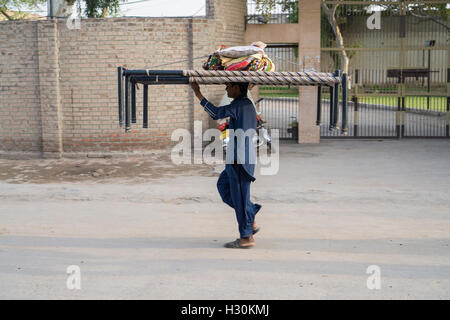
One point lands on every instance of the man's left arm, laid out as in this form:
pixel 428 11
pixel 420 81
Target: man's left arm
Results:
pixel 215 112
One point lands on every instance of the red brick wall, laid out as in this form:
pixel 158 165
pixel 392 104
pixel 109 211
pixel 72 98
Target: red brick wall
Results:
pixel 69 79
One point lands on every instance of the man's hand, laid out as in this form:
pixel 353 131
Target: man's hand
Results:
pixel 196 88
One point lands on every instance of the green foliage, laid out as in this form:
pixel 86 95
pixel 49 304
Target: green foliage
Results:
pixel 291 7
pixel 17 6
pixel 100 8
pixel 354 44
pixel 342 12
pixel 94 8
pixel 424 10
pixel 8 4
pixel 326 31
pixel 265 7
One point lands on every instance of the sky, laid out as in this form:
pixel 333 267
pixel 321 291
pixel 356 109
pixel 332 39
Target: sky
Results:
pixel 156 8
pixel 153 8
pixel 168 8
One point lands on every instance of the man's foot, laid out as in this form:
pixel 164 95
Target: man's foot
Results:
pixel 241 243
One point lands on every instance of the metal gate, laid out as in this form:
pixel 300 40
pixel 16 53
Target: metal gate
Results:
pixel 280 104
pixel 399 73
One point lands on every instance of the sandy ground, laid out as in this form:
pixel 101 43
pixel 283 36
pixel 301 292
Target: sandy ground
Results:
pixel 144 228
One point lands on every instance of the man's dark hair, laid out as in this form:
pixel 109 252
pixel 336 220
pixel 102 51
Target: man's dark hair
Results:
pixel 243 86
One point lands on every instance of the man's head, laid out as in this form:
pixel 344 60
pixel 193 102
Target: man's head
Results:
pixel 237 89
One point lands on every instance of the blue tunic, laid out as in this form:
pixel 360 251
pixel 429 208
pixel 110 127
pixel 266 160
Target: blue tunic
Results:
pixel 242 128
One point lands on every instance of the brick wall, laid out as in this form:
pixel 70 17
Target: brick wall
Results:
pixel 230 24
pixel 20 114
pixel 58 86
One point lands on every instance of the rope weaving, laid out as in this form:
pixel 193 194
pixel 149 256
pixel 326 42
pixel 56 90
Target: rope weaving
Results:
pixel 257 80
pixel 261 77
pixel 215 73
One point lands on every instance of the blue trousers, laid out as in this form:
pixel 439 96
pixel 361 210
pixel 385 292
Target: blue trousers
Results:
pixel 234 188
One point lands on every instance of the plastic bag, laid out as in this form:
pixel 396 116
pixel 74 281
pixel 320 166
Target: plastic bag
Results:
pixel 237 52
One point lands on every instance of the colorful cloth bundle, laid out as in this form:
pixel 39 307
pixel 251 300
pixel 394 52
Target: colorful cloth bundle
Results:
pixel 243 58
pixel 213 63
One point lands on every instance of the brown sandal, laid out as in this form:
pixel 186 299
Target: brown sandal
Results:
pixel 236 244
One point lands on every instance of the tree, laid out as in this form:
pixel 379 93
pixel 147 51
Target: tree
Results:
pixel 331 13
pixel 6 5
pixel 436 12
pixel 100 8
pixel 333 16
pixel 93 8
pixel 329 18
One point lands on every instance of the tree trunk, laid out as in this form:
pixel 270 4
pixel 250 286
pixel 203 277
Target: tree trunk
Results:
pixel 104 12
pixel 331 14
pixel 3 12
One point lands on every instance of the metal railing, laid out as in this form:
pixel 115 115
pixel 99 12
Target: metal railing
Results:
pixel 399 73
pixel 280 105
pixel 280 14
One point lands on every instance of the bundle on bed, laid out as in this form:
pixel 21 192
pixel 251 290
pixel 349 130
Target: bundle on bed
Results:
pixel 243 58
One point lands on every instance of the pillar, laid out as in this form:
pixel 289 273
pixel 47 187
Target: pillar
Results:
pixel 49 91
pixel 309 59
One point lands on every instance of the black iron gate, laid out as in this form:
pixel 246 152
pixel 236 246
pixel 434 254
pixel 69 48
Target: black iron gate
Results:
pixel 399 73
pixel 388 116
pixel 280 104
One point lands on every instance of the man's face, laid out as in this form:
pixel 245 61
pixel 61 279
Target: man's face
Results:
pixel 233 91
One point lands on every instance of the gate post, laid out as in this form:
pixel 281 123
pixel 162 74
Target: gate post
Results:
pixel 447 127
pixel 308 36
pixel 402 63
pixel 337 73
pixel 398 113
pixel 355 116
pixel 331 108
pixel 344 128
pixel 403 110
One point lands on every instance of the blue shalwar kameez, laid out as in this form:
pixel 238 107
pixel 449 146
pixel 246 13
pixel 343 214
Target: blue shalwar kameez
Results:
pixel 234 182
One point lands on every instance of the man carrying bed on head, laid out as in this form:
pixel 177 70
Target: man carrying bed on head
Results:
pixel 234 182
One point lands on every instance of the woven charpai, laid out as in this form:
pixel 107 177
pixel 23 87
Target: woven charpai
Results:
pixel 261 77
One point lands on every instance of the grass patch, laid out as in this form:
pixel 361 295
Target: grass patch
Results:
pixel 437 103
pixel 278 92
pixel 411 102
pixel 278 95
